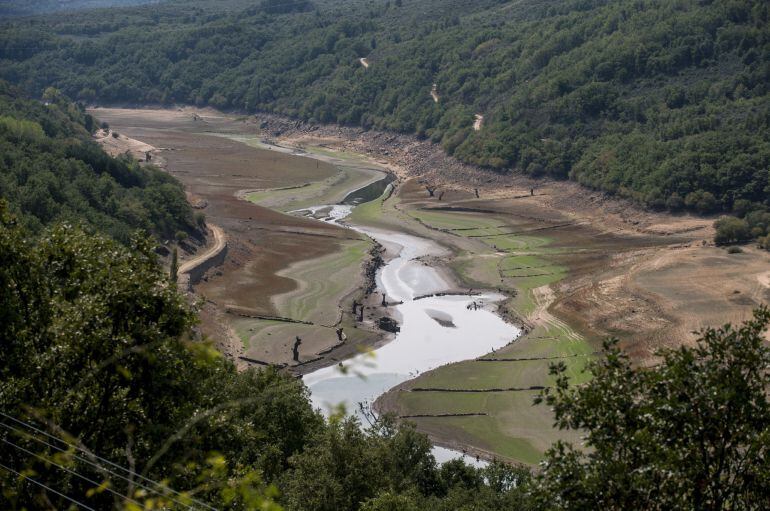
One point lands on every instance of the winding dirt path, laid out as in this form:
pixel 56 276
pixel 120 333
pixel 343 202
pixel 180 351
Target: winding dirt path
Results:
pixel 220 242
pixel 478 122
pixel 544 297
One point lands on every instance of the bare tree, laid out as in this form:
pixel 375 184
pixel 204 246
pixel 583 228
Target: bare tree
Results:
pixel 295 349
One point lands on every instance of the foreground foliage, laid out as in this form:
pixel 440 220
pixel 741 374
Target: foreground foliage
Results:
pixel 690 433
pixel 662 102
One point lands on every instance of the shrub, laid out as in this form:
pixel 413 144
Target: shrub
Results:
pixel 700 201
pixel 735 250
pixel 731 230
pixel 675 202
pixel 200 219
pixel 741 207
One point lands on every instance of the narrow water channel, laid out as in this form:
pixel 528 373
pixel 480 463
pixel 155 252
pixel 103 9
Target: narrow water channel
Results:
pixel 435 331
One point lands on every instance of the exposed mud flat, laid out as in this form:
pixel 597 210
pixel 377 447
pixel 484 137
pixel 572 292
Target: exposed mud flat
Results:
pixel 263 244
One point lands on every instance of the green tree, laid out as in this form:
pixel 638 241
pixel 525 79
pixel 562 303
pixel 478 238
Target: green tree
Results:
pixel 52 171
pixel 391 502
pixel 690 433
pixel 174 269
pixel 702 202
pixel 94 350
pixel 731 230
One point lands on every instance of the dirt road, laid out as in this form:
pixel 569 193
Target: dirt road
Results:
pixel 434 93
pixel 478 123
pixel 220 242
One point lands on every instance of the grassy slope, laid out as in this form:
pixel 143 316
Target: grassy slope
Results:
pixel 323 282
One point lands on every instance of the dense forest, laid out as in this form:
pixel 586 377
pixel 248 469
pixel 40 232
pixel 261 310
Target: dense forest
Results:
pixel 25 7
pixel 51 171
pixel 105 401
pixel 662 102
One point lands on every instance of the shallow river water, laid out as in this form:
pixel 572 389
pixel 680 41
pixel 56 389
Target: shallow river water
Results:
pixel 434 331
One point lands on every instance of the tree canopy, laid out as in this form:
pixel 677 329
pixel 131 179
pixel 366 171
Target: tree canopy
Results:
pixel 663 102
pixel 690 433
pixel 51 171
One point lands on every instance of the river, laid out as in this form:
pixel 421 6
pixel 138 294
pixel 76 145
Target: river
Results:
pixel 435 331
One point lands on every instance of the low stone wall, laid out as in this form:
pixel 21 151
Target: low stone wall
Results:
pixel 194 275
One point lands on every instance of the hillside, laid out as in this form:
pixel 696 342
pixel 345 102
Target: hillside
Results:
pixel 51 171
pixel 24 8
pixel 663 102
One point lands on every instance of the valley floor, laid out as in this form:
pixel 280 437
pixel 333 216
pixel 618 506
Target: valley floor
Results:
pixel 578 266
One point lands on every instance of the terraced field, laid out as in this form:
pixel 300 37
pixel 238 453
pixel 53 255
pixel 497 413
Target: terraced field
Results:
pixel 498 389
pixel 508 257
pixel 349 174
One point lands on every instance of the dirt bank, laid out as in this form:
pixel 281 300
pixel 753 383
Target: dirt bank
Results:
pixel 116 144
pixel 216 244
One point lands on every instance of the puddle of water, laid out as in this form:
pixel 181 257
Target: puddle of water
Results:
pixel 442 455
pixel 423 343
pixel 331 214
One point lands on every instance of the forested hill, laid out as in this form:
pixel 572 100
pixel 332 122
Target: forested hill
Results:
pixel 662 101
pixel 51 171
pixel 26 7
